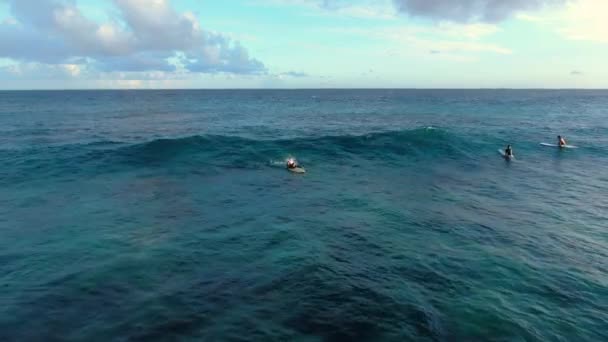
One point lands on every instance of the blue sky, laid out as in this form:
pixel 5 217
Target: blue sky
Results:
pixel 73 44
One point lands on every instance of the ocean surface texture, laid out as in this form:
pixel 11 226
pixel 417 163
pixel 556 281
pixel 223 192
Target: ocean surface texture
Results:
pixel 169 215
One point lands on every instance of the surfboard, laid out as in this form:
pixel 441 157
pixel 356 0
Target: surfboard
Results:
pixel 297 170
pixel 504 155
pixel 556 145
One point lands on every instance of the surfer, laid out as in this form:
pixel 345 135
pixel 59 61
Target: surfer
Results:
pixel 293 166
pixel 561 142
pixel 509 151
pixel 291 163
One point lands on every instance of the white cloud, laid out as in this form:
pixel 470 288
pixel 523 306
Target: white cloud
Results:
pixel 456 42
pixel 468 31
pixel 73 69
pixel 584 20
pixel 32 71
pixel 147 36
pixel 9 21
pixel 368 12
pixel 465 49
pixel 364 9
pixel 296 74
pixel 529 17
pixel 462 11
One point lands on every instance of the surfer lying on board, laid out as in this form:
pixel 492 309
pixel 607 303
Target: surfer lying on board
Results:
pixel 509 151
pixel 291 163
pixel 561 141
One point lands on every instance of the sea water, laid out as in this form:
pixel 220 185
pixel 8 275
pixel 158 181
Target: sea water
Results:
pixel 169 215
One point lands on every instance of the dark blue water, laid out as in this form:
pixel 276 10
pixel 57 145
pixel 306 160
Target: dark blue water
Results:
pixel 168 215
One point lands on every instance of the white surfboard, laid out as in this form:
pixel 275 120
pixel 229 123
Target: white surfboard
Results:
pixel 556 145
pixel 297 170
pixel 504 155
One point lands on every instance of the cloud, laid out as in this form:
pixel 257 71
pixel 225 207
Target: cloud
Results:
pixel 450 42
pixel 470 10
pixel 23 44
pixel 32 71
pixel 585 20
pixel 155 25
pixel 135 62
pixel 366 9
pixel 221 54
pixel 271 79
pixel 378 9
pixel 490 11
pixel 474 31
pixel 9 21
pixel 294 74
pixel 147 35
pixel 582 20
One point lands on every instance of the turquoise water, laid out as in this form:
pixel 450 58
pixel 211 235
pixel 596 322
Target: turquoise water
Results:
pixel 167 215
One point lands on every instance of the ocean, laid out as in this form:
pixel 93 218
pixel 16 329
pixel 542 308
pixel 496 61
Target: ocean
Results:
pixel 165 215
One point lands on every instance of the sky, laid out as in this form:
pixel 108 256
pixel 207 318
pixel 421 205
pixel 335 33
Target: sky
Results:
pixel 94 44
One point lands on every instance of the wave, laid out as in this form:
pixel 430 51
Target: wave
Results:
pixel 424 141
pixel 238 152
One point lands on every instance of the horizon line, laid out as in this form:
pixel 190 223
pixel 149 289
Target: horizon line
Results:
pixel 291 89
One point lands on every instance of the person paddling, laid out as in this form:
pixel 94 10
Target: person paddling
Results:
pixel 561 142
pixel 291 163
pixel 509 152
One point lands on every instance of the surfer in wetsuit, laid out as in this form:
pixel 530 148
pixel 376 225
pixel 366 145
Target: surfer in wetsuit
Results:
pixel 509 151
pixel 561 142
pixel 292 164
